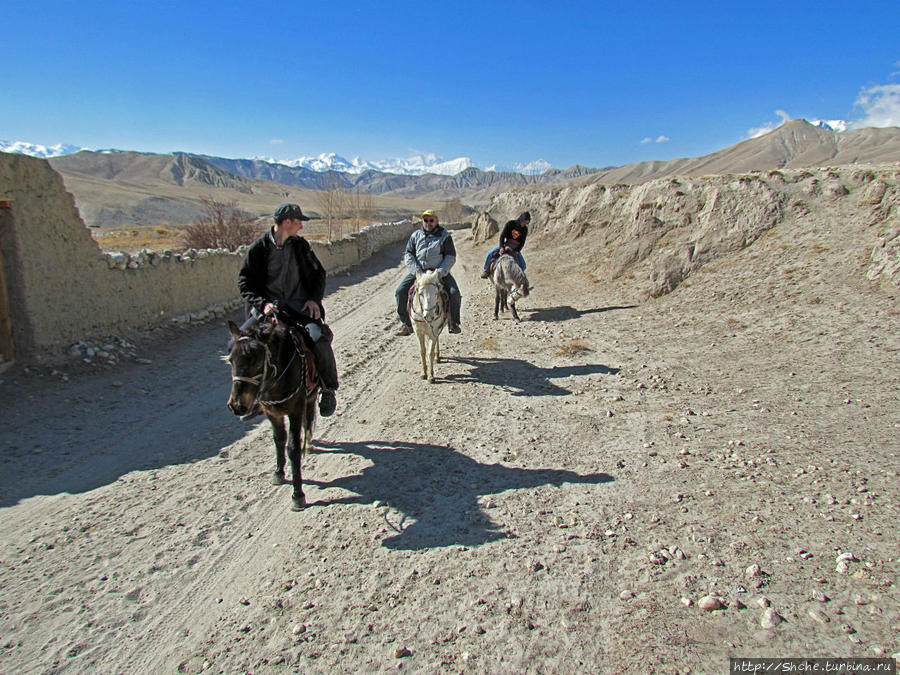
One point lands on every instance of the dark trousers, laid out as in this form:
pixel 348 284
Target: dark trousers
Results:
pixel 449 285
pixel 322 352
pixel 326 363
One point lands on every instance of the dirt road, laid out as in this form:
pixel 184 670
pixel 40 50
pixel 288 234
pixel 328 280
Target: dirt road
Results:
pixel 560 500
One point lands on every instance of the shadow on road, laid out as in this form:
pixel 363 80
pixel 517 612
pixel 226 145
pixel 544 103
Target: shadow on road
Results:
pixel 522 378
pixel 564 312
pixel 73 436
pixel 432 491
pixel 388 257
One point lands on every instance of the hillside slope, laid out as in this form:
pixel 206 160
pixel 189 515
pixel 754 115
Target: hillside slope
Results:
pixel 795 144
pixel 657 233
pixel 121 188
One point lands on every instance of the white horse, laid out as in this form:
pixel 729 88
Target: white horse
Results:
pixel 510 284
pixel 429 318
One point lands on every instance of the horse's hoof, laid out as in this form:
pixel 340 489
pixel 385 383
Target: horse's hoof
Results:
pixel 430 380
pixel 278 478
pixel 298 504
pixel 424 377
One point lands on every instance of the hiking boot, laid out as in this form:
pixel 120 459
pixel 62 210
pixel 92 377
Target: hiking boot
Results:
pixel 327 403
pixel 255 411
pixel 405 330
pixel 454 328
pixel 485 274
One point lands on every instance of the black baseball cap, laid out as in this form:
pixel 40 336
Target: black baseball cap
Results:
pixel 288 211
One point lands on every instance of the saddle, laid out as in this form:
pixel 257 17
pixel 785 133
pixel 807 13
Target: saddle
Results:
pixel 304 344
pixel 496 257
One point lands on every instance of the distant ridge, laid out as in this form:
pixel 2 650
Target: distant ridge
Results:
pixel 113 187
pixel 793 145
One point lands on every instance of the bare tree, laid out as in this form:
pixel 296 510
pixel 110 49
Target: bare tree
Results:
pixel 221 226
pixel 332 201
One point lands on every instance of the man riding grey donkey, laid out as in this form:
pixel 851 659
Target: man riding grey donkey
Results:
pixel 282 274
pixel 512 237
pixel 429 248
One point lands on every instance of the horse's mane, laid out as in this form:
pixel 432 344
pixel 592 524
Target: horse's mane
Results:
pixel 428 278
pixel 255 337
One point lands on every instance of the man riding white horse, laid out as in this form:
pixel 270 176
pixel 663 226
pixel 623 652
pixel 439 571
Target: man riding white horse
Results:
pixel 429 248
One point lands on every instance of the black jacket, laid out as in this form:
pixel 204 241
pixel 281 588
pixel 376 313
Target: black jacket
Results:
pixel 507 239
pixel 287 281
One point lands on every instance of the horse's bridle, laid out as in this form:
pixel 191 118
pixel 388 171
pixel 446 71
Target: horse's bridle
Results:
pixel 420 311
pixel 256 379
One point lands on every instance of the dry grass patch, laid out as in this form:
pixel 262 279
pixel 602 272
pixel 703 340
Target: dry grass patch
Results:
pixel 573 347
pixel 490 344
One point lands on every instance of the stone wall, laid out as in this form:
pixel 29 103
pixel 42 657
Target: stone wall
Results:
pixel 63 288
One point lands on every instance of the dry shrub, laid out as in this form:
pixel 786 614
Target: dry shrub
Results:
pixel 573 347
pixel 490 344
pixel 222 226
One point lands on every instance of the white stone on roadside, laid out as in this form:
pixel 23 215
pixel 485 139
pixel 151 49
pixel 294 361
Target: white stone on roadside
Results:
pixel 626 595
pixel 763 601
pixel 709 603
pixel 819 616
pixel 687 602
pixel 753 571
pixel 818 596
pixel 770 618
pixel 298 628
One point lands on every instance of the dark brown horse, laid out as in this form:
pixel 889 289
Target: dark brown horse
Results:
pixel 270 365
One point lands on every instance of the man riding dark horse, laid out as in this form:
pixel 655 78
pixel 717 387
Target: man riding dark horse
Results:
pixel 281 274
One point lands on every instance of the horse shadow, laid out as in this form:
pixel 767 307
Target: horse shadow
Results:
pixel 567 313
pixel 522 378
pixel 432 492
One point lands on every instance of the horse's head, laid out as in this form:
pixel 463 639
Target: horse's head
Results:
pixel 521 289
pixel 426 304
pixel 247 358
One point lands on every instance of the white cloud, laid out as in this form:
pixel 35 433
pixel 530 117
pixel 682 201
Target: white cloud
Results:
pixel 276 141
pixel 663 139
pixel 881 105
pixel 644 141
pixel 659 139
pixel 755 132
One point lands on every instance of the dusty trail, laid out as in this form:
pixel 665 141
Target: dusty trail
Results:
pixel 553 502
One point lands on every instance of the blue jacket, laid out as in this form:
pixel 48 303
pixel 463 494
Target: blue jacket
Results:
pixel 430 251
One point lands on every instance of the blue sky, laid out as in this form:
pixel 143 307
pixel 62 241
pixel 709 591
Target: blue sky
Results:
pixel 593 83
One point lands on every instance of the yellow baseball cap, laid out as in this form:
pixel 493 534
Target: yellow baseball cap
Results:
pixel 429 212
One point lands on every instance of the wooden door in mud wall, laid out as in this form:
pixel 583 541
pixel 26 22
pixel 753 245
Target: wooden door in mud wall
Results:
pixel 6 339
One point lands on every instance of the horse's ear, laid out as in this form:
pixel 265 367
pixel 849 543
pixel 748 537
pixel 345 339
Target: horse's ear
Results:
pixel 234 330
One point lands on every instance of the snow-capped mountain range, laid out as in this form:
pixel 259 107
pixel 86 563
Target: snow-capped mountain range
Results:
pixel 330 161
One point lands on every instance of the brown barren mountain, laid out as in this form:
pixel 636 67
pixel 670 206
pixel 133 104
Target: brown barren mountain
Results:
pixel 793 145
pixel 130 188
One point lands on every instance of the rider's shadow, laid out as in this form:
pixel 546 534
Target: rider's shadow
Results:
pixel 565 312
pixel 522 378
pixel 432 492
